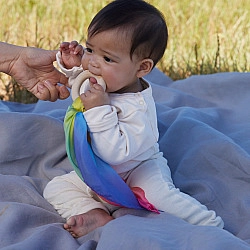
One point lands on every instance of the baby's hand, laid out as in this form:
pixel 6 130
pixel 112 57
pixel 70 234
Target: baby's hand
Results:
pixel 71 54
pixel 94 97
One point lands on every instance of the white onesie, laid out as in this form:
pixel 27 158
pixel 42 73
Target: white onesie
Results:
pixel 125 135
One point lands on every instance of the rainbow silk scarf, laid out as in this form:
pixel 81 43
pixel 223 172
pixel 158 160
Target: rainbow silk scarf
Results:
pixel 96 173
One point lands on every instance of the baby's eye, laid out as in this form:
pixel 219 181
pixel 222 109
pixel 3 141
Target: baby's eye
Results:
pixel 107 59
pixel 88 50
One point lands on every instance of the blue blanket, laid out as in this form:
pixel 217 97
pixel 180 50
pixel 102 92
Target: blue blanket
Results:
pixel 204 124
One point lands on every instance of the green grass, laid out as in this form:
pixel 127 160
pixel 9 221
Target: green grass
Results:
pixel 205 37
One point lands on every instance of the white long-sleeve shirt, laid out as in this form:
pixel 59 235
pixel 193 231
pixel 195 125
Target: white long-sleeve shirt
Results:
pixel 124 133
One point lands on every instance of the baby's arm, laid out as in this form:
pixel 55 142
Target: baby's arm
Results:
pixel 118 139
pixel 72 53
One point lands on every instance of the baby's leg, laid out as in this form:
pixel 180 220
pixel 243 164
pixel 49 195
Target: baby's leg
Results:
pixel 76 202
pixel 154 178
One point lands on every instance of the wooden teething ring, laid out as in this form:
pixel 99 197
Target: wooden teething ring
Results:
pixel 80 79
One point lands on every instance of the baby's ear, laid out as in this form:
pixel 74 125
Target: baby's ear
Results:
pixel 146 65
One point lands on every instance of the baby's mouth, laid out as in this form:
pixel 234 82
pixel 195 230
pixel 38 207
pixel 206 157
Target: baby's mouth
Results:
pixel 93 80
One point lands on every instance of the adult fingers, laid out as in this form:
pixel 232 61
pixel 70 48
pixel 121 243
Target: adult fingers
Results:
pixel 53 91
pixel 63 92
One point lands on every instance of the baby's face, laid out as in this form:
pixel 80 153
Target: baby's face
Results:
pixel 107 54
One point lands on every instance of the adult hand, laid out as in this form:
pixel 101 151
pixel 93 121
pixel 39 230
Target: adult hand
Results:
pixel 33 69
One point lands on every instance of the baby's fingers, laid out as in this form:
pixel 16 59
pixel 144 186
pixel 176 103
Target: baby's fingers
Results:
pixel 98 87
pixel 78 50
pixel 73 44
pixel 64 46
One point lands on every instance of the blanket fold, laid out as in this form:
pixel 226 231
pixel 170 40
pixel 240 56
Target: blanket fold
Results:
pixel 204 125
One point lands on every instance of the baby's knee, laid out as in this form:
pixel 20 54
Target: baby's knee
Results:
pixel 57 185
pixel 51 189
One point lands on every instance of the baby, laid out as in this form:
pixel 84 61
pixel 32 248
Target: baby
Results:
pixel 125 41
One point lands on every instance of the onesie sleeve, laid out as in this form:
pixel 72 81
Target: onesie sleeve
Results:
pixel 118 136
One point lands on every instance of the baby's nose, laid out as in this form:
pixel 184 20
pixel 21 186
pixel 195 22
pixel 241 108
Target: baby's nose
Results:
pixel 94 61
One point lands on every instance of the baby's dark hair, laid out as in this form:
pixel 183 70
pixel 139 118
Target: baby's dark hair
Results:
pixel 143 22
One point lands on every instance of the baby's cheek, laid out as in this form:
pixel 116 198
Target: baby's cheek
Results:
pixel 84 63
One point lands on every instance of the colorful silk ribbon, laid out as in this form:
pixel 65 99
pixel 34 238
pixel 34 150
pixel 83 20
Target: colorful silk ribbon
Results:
pixel 96 173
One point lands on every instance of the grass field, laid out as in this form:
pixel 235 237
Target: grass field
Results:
pixel 205 36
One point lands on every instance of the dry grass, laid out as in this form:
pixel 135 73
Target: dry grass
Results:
pixel 204 36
